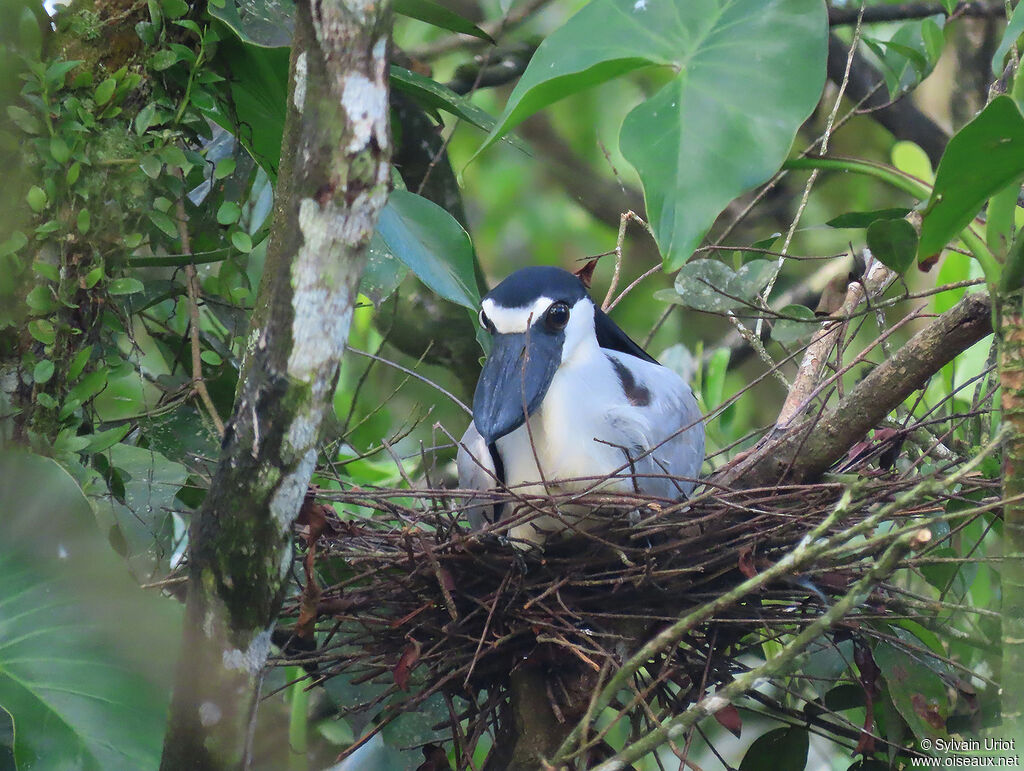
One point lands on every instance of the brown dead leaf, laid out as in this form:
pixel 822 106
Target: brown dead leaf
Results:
pixel 928 711
pixel 746 563
pixel 586 273
pixel 405 664
pixel 729 718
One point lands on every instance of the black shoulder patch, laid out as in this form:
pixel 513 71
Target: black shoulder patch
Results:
pixel 637 394
pixel 611 337
pixel 527 284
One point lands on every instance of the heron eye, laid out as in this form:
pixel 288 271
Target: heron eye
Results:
pixel 557 316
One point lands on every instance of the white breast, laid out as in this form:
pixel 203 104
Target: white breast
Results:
pixel 586 425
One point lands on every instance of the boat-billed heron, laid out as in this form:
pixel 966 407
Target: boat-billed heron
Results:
pixel 567 403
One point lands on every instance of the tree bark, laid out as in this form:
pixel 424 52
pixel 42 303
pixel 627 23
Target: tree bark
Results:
pixel 1011 378
pixel 334 180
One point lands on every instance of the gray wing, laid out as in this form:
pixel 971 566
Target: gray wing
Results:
pixel 476 472
pixel 683 454
pixel 670 421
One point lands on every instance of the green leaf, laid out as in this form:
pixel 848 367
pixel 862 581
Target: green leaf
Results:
pixel 982 158
pixel 47 270
pixel 57 72
pixel 166 225
pixel 1014 29
pixel 910 54
pixel 40 300
pixel 439 16
pixel 88 386
pixel 383 272
pixel 104 91
pixel 429 93
pixel 121 286
pixel 151 166
pixel 43 371
pixel 228 213
pixel 894 242
pixel 162 60
pixel 36 198
pixel 174 9
pixel 212 358
pixel 86 690
pixel 145 118
pixel 73 173
pixel 17 241
pixel 779 748
pixel 432 243
pixel 24 120
pixel 917 692
pixel 709 285
pixel 104 440
pixel 225 168
pixel 713 378
pixel 83 221
pixel 43 331
pixel 59 150
pixel 241 241
pixel 790 330
pixel 861 219
pixel 258 99
pixel 722 125
pixel 79 362
pixel 46 401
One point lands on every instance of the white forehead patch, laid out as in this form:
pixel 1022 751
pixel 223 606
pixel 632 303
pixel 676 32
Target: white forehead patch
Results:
pixel 508 321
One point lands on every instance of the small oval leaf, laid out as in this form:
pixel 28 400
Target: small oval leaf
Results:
pixel 894 242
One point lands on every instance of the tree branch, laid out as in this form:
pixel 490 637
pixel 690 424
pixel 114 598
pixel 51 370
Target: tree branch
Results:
pixel 806 450
pixel 335 178
pixel 874 14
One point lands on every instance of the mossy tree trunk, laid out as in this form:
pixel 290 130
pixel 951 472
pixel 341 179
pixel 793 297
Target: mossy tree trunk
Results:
pixel 334 180
pixel 1011 377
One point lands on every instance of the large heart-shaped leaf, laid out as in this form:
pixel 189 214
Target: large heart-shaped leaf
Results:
pixel 432 244
pixel 982 158
pixel 722 125
pixel 76 635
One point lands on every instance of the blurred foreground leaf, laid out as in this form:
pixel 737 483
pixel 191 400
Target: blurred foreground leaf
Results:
pixel 85 655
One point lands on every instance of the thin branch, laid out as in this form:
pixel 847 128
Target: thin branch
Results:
pixel 192 287
pixel 868 402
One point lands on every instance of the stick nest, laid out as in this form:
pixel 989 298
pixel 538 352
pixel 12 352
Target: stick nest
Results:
pixel 415 602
